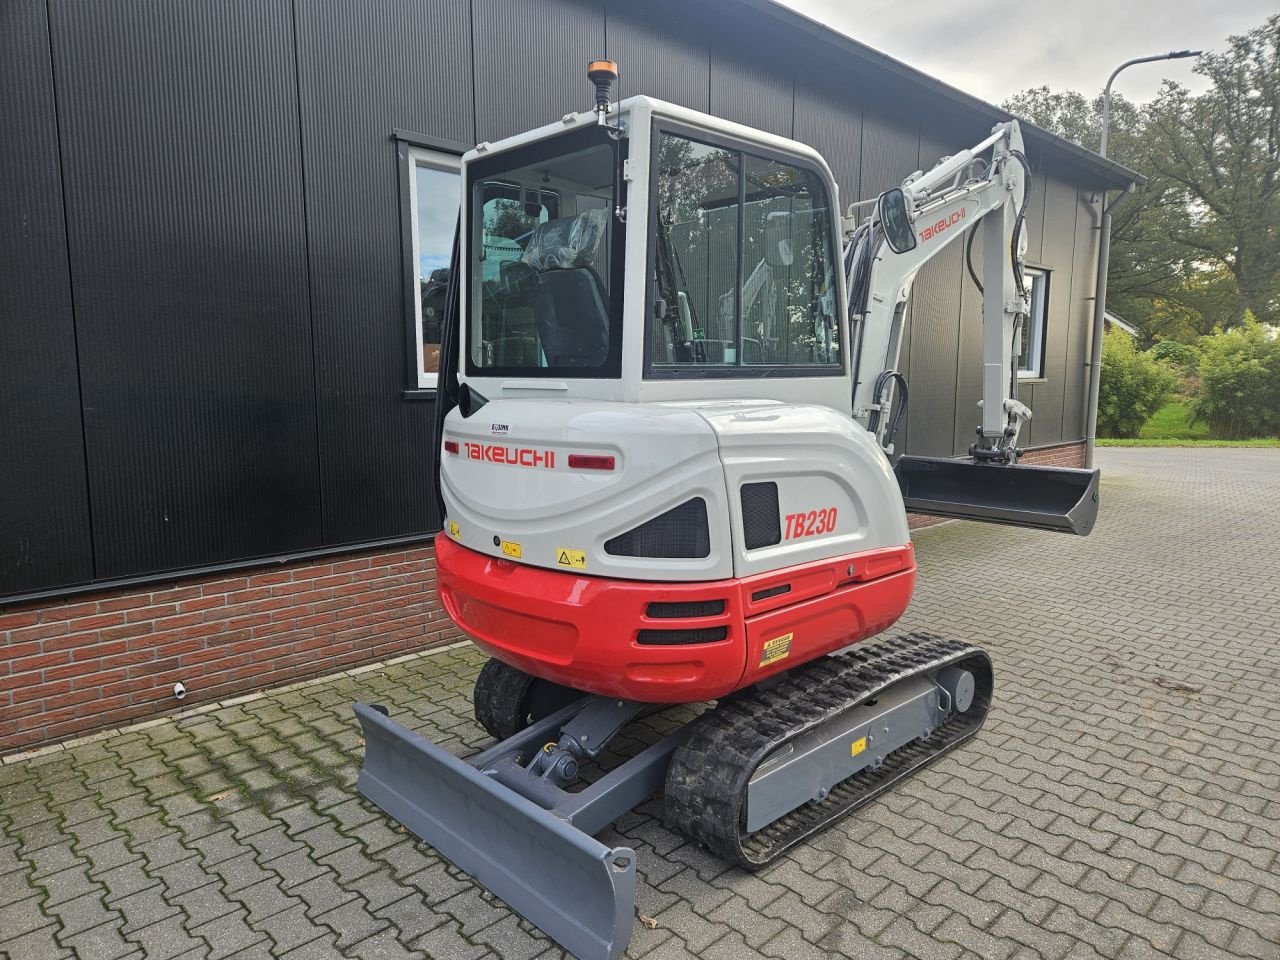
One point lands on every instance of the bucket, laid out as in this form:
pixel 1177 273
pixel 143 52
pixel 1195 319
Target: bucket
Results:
pixel 1064 499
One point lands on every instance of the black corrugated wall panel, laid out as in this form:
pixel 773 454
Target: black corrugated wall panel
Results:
pixel 828 117
pixel 44 507
pixel 752 74
pixel 366 69
pixel 662 50
pixel 179 133
pixel 532 62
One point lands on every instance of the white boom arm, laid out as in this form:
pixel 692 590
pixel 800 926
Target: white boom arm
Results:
pixel 943 205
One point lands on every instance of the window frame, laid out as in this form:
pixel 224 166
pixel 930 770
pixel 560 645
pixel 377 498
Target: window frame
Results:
pixel 414 149
pixel 1037 327
pixel 573 139
pixel 738 371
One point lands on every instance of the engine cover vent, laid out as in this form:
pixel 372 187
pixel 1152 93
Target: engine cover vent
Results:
pixel 681 533
pixel 761 522
pixel 670 638
pixel 679 609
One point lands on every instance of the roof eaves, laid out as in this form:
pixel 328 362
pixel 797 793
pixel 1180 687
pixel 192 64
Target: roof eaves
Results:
pixel 1110 173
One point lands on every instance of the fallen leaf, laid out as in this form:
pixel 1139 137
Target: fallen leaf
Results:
pixel 649 922
pixel 218 796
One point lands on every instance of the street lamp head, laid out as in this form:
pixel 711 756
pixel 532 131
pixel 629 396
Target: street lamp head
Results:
pixel 1183 54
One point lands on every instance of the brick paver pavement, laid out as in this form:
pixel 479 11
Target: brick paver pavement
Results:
pixel 1122 801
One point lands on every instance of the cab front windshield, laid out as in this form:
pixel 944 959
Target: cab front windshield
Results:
pixel 542 238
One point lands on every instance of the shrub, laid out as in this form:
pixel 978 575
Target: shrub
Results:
pixel 1183 357
pixel 1239 384
pixel 1133 387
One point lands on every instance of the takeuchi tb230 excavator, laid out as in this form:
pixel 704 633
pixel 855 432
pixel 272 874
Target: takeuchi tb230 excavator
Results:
pixel 669 395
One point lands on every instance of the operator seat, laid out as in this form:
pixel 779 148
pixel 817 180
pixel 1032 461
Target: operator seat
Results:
pixel 570 303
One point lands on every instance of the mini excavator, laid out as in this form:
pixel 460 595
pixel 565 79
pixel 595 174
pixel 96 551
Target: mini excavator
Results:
pixel 669 394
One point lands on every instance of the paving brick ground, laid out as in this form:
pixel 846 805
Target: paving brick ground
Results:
pixel 1122 801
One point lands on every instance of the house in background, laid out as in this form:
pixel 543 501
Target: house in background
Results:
pixel 223 226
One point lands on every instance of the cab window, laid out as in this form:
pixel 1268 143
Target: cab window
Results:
pixel 744 263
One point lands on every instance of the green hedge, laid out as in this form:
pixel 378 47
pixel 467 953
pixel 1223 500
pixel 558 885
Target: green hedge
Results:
pixel 1239 393
pixel 1133 387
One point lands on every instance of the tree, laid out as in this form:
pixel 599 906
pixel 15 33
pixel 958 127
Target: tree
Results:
pixel 1147 270
pixel 1220 151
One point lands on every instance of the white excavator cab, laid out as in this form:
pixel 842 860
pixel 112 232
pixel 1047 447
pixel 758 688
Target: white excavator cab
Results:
pixel 663 256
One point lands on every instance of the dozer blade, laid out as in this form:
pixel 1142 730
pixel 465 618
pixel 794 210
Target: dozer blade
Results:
pixel 1047 498
pixel 576 889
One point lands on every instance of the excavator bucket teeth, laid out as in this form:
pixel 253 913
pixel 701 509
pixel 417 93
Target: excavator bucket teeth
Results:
pixel 576 889
pixel 1047 498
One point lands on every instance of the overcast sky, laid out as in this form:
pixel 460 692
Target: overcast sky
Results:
pixel 994 48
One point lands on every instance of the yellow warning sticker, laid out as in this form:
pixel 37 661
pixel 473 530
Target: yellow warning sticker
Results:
pixel 776 649
pixel 571 558
pixel 857 746
pixel 454 530
pixel 510 549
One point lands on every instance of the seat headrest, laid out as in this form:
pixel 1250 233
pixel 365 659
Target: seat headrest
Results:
pixel 567 242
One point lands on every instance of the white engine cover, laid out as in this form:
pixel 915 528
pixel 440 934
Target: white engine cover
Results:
pixel 509 489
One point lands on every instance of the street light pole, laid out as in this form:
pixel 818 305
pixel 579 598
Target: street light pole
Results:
pixel 1104 254
pixel 1106 93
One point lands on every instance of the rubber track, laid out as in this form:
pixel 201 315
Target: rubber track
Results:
pixel 500 697
pixel 707 780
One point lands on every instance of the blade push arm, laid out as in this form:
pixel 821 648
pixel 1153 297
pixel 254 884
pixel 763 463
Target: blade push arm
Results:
pixel 943 205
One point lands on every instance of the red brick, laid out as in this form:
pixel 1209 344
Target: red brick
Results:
pixel 98 621
pixel 126 602
pixel 69 611
pixel 39 631
pixel 176 594
pixel 18 618
pixel 171 624
pixel 126 631
pixel 39 661
pixel 275 576
pixel 77 668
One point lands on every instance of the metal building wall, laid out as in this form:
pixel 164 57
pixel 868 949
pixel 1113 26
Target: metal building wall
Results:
pixel 233 221
pixel 365 70
pixel 44 506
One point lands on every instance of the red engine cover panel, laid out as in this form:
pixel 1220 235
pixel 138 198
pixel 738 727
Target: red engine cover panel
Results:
pixel 585 632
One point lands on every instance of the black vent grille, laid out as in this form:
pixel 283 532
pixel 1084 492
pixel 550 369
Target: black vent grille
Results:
pixel 668 638
pixel 685 608
pixel 679 534
pixel 761 522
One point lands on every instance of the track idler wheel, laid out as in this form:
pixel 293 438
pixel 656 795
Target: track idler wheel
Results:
pixel 508 700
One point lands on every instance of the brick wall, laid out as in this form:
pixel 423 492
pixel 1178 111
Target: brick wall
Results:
pixel 102 660
pixel 1069 454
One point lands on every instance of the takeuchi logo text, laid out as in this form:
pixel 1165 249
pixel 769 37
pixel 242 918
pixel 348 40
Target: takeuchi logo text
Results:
pixel 515 456
pixel 946 222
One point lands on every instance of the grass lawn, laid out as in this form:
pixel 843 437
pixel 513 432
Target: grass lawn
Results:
pixel 1173 422
pixel 1171 427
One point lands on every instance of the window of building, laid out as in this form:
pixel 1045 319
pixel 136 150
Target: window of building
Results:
pixel 744 271
pixel 433 206
pixel 1031 353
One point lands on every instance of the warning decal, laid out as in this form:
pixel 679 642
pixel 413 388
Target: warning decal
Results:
pixel 858 746
pixel 571 558
pixel 776 649
pixel 510 549
pixel 454 531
